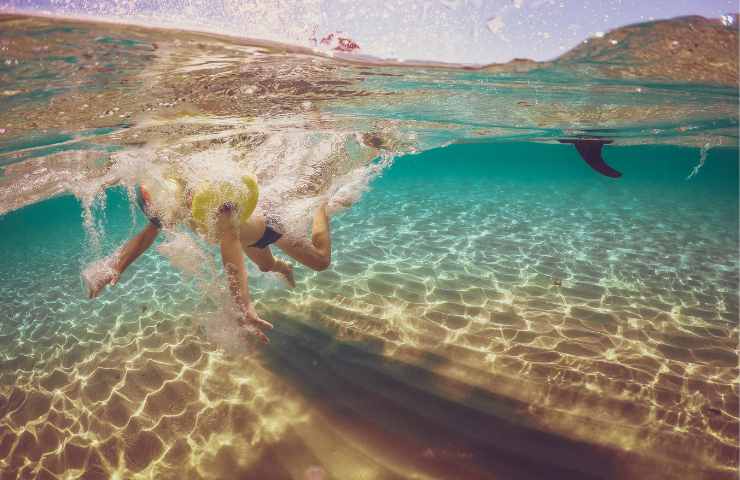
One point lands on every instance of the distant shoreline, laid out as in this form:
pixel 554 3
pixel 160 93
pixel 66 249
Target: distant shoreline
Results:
pixel 655 55
pixel 355 58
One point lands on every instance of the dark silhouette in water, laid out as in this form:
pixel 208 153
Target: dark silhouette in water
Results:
pixel 590 151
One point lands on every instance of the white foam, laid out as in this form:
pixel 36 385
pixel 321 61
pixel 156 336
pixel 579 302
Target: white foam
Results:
pixel 184 253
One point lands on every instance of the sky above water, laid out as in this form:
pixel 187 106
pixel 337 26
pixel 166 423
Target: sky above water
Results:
pixel 468 31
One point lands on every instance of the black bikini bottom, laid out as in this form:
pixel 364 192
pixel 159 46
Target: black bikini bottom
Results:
pixel 268 238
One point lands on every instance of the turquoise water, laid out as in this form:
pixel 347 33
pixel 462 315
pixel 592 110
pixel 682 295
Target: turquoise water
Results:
pixel 455 262
pixel 494 307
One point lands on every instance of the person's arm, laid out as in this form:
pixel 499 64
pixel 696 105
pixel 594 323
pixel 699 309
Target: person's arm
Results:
pixel 236 273
pixel 124 257
pixel 135 247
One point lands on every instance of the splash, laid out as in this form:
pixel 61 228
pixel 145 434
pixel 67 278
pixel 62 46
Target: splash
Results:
pixel 190 258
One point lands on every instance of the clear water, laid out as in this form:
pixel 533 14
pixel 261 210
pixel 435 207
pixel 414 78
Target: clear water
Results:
pixel 494 309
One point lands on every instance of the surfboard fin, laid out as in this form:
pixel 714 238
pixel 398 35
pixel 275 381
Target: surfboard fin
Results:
pixel 590 151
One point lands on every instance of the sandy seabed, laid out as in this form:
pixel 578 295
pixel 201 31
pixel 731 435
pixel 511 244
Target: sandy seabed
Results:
pixel 485 335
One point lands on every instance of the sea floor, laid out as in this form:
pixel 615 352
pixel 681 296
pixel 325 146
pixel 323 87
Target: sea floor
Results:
pixel 485 321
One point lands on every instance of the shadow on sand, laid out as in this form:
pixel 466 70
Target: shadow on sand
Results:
pixel 410 419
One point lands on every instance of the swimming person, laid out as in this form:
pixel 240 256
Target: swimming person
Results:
pixel 224 214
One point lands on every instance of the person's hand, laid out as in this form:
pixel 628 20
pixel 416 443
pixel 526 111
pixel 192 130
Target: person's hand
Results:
pixel 254 324
pixel 99 279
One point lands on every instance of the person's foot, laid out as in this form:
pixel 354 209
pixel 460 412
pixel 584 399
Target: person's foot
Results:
pixel 336 205
pixel 340 199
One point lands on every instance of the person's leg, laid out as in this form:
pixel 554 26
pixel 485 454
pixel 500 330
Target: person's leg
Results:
pixel 316 254
pixel 320 234
pixel 236 272
pixel 264 259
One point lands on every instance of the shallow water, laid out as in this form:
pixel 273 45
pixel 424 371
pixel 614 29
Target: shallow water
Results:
pixel 494 309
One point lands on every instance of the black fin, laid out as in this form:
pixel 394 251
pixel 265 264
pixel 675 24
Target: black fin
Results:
pixel 590 151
